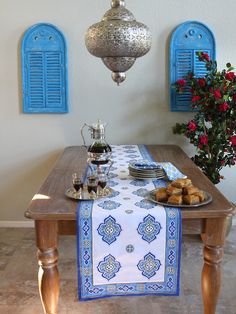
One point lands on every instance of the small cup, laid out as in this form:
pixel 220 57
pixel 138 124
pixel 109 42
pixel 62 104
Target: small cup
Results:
pixel 77 183
pixel 102 183
pixel 92 186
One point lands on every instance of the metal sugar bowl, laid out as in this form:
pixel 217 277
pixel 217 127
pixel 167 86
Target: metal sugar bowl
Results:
pixel 99 152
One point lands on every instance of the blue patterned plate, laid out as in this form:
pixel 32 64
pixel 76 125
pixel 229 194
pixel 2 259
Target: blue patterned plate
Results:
pixel 151 197
pixel 144 165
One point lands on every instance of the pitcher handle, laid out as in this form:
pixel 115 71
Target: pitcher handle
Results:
pixel 109 168
pixel 82 134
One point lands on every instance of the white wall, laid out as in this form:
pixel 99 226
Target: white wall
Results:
pixel 137 111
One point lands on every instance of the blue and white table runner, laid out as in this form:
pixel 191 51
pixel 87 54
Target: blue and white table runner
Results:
pixel 127 245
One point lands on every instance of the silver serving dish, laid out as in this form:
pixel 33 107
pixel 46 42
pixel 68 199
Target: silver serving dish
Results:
pixel 151 197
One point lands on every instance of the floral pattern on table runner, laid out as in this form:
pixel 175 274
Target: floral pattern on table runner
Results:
pixel 126 244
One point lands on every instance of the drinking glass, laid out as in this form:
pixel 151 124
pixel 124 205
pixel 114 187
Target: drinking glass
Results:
pixel 77 184
pixel 92 186
pixel 102 183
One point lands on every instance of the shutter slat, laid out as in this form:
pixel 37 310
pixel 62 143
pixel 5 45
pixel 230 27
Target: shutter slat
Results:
pixel 184 65
pixel 200 66
pixel 35 79
pixel 53 72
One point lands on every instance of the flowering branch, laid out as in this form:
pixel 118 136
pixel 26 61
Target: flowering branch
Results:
pixel 213 129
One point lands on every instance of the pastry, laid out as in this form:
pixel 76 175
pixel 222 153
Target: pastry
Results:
pixel 201 195
pixel 175 200
pixel 191 199
pixel 172 190
pixel 161 195
pixel 181 183
pixel 188 190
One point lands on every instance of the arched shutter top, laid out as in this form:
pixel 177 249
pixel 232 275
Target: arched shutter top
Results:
pixel 192 35
pixel 187 39
pixel 44 70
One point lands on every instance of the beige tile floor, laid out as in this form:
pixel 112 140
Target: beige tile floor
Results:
pixel 19 291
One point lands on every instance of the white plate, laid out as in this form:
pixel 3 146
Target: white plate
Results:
pixel 144 178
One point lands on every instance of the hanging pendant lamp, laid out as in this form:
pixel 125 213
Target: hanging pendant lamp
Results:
pixel 118 40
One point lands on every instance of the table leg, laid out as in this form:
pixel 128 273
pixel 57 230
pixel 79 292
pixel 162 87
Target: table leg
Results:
pixel 213 253
pixel 48 275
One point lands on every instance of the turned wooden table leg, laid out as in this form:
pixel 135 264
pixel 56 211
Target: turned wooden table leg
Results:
pixel 48 275
pixel 213 253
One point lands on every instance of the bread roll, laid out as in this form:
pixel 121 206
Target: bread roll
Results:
pixel 188 190
pixel 161 195
pixel 171 190
pixel 175 200
pixel 201 196
pixel 191 199
pixel 181 183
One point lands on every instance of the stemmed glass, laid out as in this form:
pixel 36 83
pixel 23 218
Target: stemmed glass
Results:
pixel 77 184
pixel 92 185
pixel 102 183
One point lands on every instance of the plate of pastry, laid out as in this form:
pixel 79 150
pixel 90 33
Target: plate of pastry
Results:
pixel 180 193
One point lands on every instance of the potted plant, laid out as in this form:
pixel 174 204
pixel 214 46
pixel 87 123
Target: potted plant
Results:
pixel 213 128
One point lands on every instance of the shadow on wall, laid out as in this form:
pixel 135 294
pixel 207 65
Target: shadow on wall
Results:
pixel 21 183
pixel 151 122
pixel 19 73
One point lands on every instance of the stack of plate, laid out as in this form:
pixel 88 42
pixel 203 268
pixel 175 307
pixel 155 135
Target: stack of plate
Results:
pixel 146 170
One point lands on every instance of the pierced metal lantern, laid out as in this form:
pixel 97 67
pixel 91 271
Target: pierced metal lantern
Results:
pixel 118 40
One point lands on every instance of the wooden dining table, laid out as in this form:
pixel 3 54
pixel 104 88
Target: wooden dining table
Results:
pixel 55 214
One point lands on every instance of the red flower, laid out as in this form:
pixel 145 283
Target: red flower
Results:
pixel 192 126
pixel 202 82
pixel 230 76
pixel 233 140
pixel 234 97
pixel 203 139
pixel 222 162
pixel 181 82
pixel 217 94
pixel 223 107
pixel 225 88
pixel 205 56
pixel 196 98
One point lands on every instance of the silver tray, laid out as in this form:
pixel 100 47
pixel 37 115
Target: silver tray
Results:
pixel 85 196
pixel 151 197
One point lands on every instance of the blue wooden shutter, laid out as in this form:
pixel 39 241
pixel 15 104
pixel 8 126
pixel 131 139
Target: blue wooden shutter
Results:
pixel 186 40
pixel 44 70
